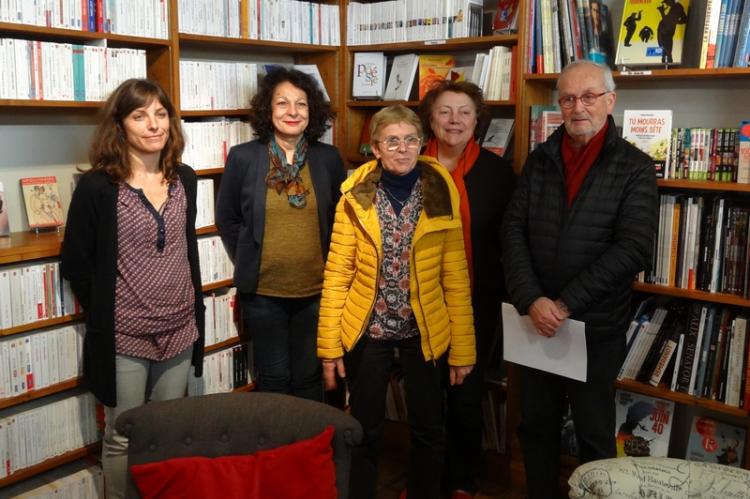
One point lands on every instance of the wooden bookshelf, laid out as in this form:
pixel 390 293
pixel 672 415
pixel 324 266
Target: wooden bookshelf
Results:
pixel 448 45
pixel 377 104
pixel 31 326
pixel 43 33
pixel 210 229
pixel 247 388
pixel 216 285
pixel 660 74
pixel 702 185
pixel 681 398
pixel 223 344
pixel 239 44
pixel 43 392
pixel 24 246
pixel 692 294
pixel 207 172
pixel 91 451
pixel 218 113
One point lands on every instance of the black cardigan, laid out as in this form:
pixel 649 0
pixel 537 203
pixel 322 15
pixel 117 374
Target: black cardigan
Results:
pixel 588 254
pixel 89 262
pixel 241 203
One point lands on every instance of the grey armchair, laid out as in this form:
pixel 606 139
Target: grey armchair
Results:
pixel 233 424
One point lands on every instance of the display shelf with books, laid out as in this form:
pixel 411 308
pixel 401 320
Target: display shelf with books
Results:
pixel 90 451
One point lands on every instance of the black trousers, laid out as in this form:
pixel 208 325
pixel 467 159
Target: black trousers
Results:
pixel 464 417
pixel 592 403
pixel 368 368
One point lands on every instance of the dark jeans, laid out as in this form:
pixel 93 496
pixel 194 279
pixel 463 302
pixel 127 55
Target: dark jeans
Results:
pixel 284 334
pixel 464 417
pixel 542 404
pixel 368 368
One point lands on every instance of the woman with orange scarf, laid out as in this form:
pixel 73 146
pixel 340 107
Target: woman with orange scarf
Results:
pixel 451 114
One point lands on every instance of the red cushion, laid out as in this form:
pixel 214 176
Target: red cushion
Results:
pixel 301 470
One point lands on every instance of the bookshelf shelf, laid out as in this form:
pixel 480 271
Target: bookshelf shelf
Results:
pixel 37 394
pixel 216 285
pixel 247 388
pixel 220 42
pixel 211 229
pixel 659 74
pixel 692 294
pixel 32 326
pixel 28 31
pixel 222 345
pixel 23 246
pixel 49 105
pixel 377 104
pixel 208 113
pixel 472 43
pixel 91 451
pixel 681 398
pixel 206 172
pixel 703 185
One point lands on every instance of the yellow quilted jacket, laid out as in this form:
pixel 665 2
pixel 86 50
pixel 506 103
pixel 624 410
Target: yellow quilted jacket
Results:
pixel 440 292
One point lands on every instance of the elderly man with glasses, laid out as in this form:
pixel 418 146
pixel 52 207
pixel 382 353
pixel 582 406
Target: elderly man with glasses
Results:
pixel 578 229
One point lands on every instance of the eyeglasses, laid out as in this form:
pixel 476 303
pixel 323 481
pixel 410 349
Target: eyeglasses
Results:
pixel 393 143
pixel 588 99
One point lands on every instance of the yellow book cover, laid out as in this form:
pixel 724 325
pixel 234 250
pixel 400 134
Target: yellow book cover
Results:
pixel 42 199
pixel 652 32
pixel 433 69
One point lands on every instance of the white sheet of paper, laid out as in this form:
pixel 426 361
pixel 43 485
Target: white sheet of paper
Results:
pixel 563 354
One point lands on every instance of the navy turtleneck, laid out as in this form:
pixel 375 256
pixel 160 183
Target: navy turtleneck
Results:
pixel 398 187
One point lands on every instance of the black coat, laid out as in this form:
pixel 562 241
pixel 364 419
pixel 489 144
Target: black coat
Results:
pixel 241 203
pixel 489 185
pixel 89 262
pixel 588 254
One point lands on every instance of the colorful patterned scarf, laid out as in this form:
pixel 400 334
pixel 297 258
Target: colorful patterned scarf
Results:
pixel 285 177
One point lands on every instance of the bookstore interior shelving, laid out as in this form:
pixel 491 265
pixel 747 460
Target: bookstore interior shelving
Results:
pixel 698 97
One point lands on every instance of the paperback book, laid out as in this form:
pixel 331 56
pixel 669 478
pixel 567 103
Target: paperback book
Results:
pixel 498 136
pixel 433 68
pixel 42 199
pixel 652 32
pixel 4 223
pixel 650 131
pixel 643 425
pixel 368 80
pixel 714 441
pixel 401 79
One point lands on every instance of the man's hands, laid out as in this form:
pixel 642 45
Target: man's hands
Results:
pixel 330 368
pixel 459 373
pixel 548 315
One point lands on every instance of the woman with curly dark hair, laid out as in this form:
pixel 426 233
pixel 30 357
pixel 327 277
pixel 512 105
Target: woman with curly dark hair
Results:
pixel 275 212
pixel 131 256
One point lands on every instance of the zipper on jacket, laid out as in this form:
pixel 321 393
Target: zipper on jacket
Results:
pixel 377 279
pixel 421 310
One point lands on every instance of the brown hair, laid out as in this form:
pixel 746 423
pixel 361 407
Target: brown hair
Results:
pixel 320 113
pixel 393 115
pixel 109 147
pixel 459 87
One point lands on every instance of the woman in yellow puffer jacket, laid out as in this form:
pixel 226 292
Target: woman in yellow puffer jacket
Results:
pixel 396 279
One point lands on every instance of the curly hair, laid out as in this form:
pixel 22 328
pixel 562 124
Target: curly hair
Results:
pixel 109 147
pixel 321 115
pixel 459 87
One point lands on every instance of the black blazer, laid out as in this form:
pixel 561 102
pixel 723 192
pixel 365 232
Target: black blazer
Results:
pixel 89 262
pixel 241 204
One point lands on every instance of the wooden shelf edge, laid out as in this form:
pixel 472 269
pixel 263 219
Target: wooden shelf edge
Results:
pixel 197 113
pixel 223 344
pixel 41 393
pixel 238 43
pixel 247 388
pixel 204 172
pixel 77 34
pixel 414 103
pixel 216 285
pixel 19 247
pixel 662 74
pixel 52 104
pixel 703 185
pixel 681 398
pixel 440 44
pixel 692 294
pixel 209 229
pixel 90 450
pixel 32 326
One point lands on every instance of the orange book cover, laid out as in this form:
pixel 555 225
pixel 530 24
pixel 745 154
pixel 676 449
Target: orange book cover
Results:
pixel 42 199
pixel 433 69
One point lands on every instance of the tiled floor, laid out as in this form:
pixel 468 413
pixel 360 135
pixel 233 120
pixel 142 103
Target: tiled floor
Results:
pixel 393 466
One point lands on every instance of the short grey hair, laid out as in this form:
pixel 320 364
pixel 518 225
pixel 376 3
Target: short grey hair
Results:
pixel 609 81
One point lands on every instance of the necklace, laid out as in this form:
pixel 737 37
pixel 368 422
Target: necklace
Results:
pixel 390 194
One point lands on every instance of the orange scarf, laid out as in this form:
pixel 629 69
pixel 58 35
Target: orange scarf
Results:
pixel 464 166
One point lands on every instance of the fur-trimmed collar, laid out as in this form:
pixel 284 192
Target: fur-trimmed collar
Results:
pixel 436 199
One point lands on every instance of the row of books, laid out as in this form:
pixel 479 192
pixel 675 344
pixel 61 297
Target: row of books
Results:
pixel 147 18
pixel 207 143
pixel 221 315
pixel 35 361
pixel 62 71
pixel 726 34
pixel 543 121
pixel 205 203
pixel 208 85
pixel 698 349
pixel 40 430
pixel 214 261
pixel 702 243
pixel 708 154
pixel 79 480
pixel 223 371
pixel 561 31
pixel 279 20
pixel 35 292
pixel 412 20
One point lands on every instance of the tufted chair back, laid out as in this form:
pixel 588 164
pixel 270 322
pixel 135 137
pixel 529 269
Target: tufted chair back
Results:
pixel 233 424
